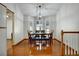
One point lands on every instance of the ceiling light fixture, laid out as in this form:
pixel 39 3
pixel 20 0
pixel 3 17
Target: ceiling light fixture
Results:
pixel 39 11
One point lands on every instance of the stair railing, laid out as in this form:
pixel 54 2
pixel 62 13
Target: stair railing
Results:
pixel 69 49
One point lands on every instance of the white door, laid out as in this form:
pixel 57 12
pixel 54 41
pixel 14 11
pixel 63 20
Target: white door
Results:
pixel 3 32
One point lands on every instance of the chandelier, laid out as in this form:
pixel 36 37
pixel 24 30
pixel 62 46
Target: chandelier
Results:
pixel 39 8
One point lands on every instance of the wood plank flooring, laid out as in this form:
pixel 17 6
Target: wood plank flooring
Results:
pixel 24 49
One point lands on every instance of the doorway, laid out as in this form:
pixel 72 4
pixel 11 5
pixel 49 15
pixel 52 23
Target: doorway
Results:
pixel 10 24
pixel 10 30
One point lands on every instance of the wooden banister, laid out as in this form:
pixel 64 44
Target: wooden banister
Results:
pixel 20 42
pixel 70 32
pixel 62 35
pixel 62 42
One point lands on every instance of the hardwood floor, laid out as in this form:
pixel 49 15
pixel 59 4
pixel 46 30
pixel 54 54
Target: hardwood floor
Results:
pixel 24 49
pixel 9 47
pixel 46 51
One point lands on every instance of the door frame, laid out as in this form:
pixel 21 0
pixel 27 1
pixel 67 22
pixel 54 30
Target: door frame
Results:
pixel 12 34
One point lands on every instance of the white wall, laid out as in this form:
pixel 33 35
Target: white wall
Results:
pixel 52 23
pixel 67 19
pixel 18 21
pixel 27 21
pixel 3 32
pixel 18 25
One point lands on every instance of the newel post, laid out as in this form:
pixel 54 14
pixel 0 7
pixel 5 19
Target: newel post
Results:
pixel 62 43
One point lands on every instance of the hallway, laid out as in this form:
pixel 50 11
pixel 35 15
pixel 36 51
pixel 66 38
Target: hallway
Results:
pixel 39 29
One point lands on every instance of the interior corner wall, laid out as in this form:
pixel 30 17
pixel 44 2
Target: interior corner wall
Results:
pixel 68 20
pixel 18 21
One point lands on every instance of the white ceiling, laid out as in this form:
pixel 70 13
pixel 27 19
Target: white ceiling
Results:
pixel 48 9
